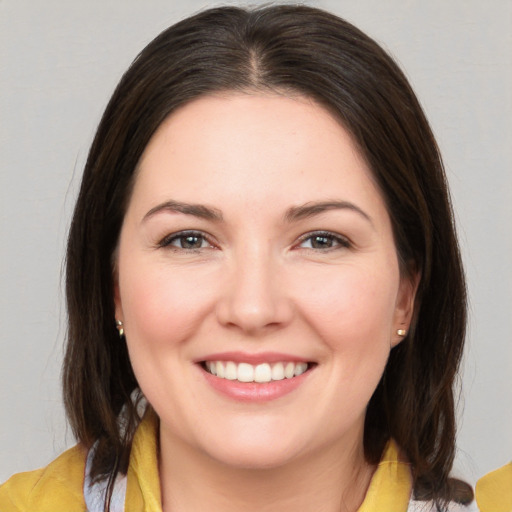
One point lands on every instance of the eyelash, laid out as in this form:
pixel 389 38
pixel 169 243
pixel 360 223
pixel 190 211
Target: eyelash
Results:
pixel 168 240
pixel 337 241
pixel 340 241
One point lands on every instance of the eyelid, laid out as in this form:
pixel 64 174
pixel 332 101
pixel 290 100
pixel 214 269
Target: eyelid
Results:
pixel 342 241
pixel 167 240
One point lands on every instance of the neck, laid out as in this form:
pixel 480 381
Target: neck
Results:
pixel 333 480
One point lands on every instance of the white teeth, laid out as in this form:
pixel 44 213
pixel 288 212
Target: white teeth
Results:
pixel 289 370
pixel 219 367
pixel 300 369
pixel 264 372
pixel 245 372
pixel 278 371
pixel 230 372
pixel 212 367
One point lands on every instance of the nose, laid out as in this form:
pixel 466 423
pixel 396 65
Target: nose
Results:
pixel 254 298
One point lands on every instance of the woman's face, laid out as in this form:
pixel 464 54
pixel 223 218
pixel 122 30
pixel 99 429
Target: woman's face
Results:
pixel 256 246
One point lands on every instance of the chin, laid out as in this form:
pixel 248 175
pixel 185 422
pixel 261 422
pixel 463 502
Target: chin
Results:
pixel 263 445
pixel 254 457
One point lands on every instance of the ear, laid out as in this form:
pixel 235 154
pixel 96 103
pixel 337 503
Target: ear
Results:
pixel 404 309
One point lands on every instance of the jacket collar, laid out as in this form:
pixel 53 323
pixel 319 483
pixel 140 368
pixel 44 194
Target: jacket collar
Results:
pixel 390 486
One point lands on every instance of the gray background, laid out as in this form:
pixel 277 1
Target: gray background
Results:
pixel 59 62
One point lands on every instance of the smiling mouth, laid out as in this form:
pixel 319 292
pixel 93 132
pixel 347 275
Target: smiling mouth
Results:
pixel 260 373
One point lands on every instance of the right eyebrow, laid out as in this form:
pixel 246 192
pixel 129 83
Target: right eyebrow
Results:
pixel 315 208
pixel 197 210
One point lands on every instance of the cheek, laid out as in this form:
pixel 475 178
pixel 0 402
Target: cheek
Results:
pixel 352 314
pixel 162 307
pixel 353 307
pixel 163 310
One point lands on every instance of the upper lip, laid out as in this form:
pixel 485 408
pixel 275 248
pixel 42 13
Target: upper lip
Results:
pixel 257 358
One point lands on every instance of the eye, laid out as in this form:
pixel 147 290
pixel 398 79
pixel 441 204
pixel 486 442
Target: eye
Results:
pixel 323 240
pixel 186 240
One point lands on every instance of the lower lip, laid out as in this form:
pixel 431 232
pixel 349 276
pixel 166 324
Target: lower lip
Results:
pixel 254 391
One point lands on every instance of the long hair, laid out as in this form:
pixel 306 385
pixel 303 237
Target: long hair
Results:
pixel 285 49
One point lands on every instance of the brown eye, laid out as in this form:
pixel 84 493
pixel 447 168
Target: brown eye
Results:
pixel 190 242
pixel 186 241
pixel 324 241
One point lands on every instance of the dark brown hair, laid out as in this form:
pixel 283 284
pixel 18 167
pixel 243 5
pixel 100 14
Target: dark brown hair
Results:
pixel 284 49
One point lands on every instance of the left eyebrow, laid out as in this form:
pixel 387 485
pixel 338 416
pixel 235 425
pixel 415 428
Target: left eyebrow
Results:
pixel 196 210
pixel 315 208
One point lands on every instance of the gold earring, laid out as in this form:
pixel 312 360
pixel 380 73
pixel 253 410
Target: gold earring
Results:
pixel 120 328
pixel 401 332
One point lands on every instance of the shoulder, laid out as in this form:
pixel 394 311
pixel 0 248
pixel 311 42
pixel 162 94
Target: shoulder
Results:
pixel 56 488
pixel 494 490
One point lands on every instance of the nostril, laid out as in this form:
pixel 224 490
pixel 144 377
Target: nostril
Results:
pixel 252 316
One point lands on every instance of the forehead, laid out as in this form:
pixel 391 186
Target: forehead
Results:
pixel 253 146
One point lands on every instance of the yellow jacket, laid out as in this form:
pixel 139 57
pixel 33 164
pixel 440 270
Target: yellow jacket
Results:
pixel 494 490
pixel 60 486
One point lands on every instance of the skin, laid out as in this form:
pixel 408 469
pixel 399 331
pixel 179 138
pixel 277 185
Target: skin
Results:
pixel 259 282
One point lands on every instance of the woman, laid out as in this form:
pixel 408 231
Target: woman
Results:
pixel 262 265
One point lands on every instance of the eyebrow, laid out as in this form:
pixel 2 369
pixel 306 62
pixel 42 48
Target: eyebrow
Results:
pixel 197 210
pixel 292 214
pixel 315 208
